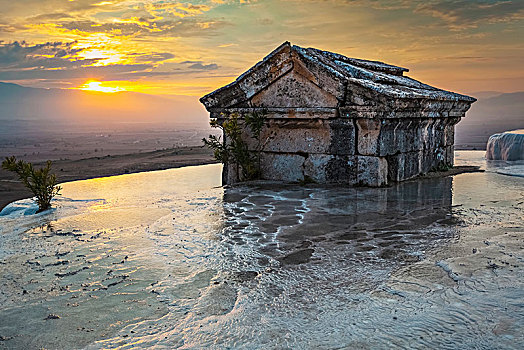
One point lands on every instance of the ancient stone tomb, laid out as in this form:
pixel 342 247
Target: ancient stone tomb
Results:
pixel 335 119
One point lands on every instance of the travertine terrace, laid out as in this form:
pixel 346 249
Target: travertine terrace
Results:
pixel 335 119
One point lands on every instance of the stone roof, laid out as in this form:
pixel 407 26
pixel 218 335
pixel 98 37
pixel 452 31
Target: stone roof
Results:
pixel 384 79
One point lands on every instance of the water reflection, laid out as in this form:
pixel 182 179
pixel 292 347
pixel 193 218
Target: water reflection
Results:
pixel 289 223
pixel 170 260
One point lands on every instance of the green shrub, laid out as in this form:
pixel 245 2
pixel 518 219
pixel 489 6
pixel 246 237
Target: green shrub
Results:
pixel 39 181
pixel 441 167
pixel 235 150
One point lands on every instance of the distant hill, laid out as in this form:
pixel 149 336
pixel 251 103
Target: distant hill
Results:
pixel 78 107
pixel 481 95
pixel 36 108
pixel 490 115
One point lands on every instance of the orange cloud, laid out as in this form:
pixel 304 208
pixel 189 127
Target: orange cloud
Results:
pixel 147 42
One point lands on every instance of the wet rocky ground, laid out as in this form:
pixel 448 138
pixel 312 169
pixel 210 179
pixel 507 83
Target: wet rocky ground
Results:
pixel 169 259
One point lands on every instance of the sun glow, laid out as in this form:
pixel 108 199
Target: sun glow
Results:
pixel 97 86
pixel 102 57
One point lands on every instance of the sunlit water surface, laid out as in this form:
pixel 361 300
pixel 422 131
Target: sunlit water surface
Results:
pixel 170 259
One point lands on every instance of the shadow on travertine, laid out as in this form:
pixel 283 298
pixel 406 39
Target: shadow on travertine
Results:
pixel 298 225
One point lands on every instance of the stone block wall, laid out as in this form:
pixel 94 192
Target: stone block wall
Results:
pixel 352 151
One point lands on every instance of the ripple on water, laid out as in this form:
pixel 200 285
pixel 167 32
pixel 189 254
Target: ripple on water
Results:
pixel 426 264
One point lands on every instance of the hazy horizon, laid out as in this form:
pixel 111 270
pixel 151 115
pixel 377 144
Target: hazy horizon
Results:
pixel 39 113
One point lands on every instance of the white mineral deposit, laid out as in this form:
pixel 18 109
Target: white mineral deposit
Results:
pixel 508 145
pixel 170 259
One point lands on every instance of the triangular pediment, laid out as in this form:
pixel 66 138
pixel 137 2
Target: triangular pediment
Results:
pixel 264 73
pixel 293 90
pixel 284 73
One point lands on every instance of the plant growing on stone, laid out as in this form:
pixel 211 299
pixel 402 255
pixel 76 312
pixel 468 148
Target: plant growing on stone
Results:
pixel 441 167
pixel 234 150
pixel 41 182
pixel 255 121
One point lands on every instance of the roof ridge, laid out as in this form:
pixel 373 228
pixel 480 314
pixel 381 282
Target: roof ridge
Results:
pixel 381 77
pixel 376 66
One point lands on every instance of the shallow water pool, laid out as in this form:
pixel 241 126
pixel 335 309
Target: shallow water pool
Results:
pixel 170 259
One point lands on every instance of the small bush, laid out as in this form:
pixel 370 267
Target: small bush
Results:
pixel 235 151
pixel 39 181
pixel 441 167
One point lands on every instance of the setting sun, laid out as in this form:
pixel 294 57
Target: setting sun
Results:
pixel 97 86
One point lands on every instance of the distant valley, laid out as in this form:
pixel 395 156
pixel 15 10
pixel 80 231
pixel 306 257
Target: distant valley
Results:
pixel 24 107
pixel 32 111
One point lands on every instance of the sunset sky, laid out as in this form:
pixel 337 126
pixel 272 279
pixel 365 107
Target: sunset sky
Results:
pixel 191 48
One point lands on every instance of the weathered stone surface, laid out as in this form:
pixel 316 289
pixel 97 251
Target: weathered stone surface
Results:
pixel 425 134
pixel 407 165
pixel 342 169
pixel 324 168
pixel 334 136
pixel 282 166
pixel 289 137
pixel 372 171
pixel 310 136
pixel 449 132
pixel 392 136
pixel 336 119
pixel 404 166
pixel 265 72
pixel 230 174
pixel 450 155
pixel 342 136
pixel 368 136
pixel 280 112
pixel 387 139
pixel 326 78
pixel 409 135
pixel 315 167
pixel 293 90
pixel 438 134
pixel 432 159
pixel 372 106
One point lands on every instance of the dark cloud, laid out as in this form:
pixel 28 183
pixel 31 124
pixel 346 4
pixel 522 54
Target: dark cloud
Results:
pixel 383 4
pixel 50 16
pixel 190 27
pixel 22 55
pixel 146 27
pixel 465 58
pixel 199 65
pixel 461 14
pixel 9 27
pixel 56 60
pixel 62 5
pixel 153 57
pixel 114 17
pixel 458 14
pixel 125 29
pixel 111 72
pixel 174 8
pixel 265 21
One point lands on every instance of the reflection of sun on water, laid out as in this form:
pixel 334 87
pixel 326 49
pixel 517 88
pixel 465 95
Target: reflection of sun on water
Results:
pixel 97 86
